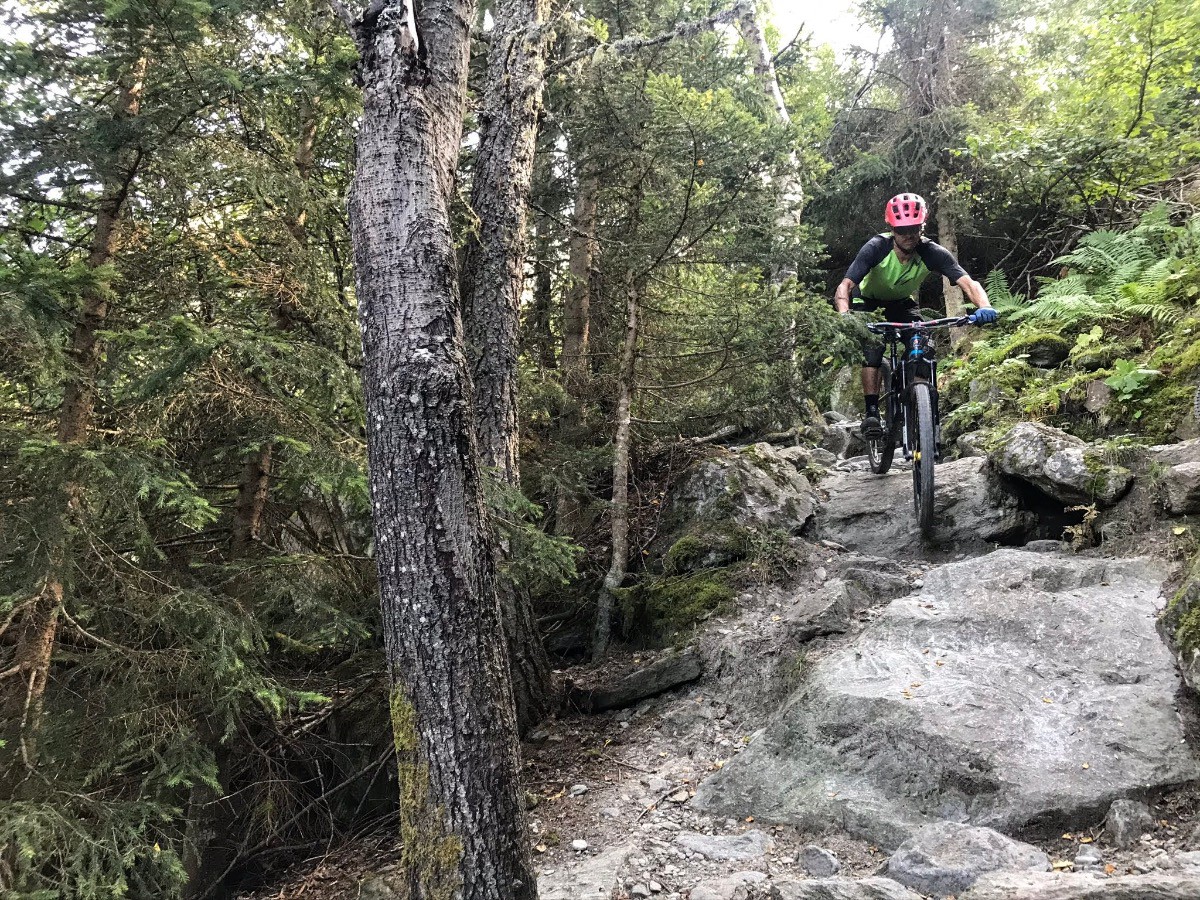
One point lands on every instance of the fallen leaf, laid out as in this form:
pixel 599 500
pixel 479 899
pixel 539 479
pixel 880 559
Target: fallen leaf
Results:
pixel 1085 840
pixel 1047 700
pixel 940 662
pixel 1178 529
pixel 540 848
pixel 1109 868
pixel 1086 766
pixel 1060 864
pixel 915 684
pixel 926 650
pixel 1068 836
pixel 776 618
pixel 749 818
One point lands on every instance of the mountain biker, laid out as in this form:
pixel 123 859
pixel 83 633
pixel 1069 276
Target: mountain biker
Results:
pixel 887 273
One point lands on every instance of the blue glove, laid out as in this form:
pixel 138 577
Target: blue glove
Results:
pixel 985 316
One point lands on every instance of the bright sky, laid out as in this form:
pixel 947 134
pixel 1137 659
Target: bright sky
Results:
pixel 832 22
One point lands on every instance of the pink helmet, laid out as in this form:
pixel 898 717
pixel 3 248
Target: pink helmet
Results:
pixel 906 209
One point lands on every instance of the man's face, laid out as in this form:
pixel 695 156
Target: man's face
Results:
pixel 907 237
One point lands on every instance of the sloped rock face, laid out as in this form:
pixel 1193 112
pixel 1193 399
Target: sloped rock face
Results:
pixel 1017 690
pixel 874 514
pixel 727 495
pixel 1060 465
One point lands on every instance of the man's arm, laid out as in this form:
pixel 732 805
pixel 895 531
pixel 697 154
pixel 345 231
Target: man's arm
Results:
pixel 841 297
pixel 974 292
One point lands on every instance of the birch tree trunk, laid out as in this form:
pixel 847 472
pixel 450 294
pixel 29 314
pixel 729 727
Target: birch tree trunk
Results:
pixel 620 491
pixel 792 190
pixel 452 712
pixel 39 624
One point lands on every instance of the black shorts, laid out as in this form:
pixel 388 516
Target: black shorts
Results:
pixel 905 310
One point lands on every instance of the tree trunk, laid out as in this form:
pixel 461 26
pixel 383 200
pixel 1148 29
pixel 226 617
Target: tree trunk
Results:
pixel 574 361
pixel 452 712
pixel 494 264
pixel 620 492
pixel 39 626
pixel 948 238
pixel 540 336
pixel 493 282
pixel 578 297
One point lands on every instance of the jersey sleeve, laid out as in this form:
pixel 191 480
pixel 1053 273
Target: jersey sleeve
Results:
pixel 941 260
pixel 873 252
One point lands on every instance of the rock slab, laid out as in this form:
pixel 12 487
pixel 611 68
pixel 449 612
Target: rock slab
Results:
pixel 748 845
pixel 1016 690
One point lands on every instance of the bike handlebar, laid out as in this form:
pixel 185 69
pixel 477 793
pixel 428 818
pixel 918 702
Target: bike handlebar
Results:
pixel 953 321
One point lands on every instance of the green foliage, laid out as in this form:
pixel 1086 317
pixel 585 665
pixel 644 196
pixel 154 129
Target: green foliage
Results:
pixel 1129 379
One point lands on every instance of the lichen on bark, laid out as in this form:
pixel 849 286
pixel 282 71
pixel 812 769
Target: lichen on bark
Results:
pixel 430 856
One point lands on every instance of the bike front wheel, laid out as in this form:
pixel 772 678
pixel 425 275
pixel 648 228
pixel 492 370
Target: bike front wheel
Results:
pixel 924 445
pixel 881 450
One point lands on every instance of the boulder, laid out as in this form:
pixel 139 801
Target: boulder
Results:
pixel 1061 466
pixel 1182 486
pixel 1016 691
pixel 874 513
pixel 840 888
pixel 726 495
pixel 947 858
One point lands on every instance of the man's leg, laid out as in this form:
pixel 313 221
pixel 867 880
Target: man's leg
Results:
pixel 871 377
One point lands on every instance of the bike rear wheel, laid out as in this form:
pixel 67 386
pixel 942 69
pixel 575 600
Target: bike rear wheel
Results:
pixel 881 450
pixel 924 452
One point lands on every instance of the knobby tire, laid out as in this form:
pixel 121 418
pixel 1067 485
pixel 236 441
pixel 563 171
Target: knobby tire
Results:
pixel 924 453
pixel 881 450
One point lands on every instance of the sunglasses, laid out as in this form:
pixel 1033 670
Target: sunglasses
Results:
pixel 907 230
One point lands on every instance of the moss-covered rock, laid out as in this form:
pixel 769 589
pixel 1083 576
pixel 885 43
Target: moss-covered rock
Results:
pixel 660 608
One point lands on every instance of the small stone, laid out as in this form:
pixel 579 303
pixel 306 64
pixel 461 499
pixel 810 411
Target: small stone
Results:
pixel 577 790
pixel 1126 820
pixel 1088 857
pixel 655 887
pixel 640 890
pixel 579 845
pixel 819 862
pixel 610 812
pixel 821 573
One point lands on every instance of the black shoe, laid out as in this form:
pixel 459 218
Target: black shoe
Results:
pixel 872 430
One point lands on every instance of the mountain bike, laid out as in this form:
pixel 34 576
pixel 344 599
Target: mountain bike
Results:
pixel 908 406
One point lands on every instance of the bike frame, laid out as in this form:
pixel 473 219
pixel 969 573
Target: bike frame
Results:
pixel 911 357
